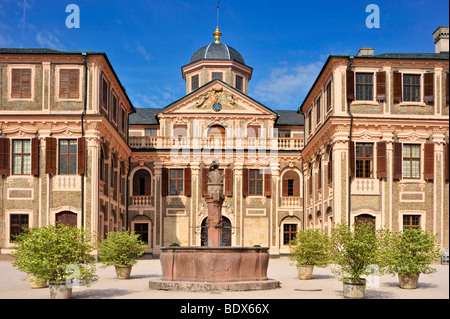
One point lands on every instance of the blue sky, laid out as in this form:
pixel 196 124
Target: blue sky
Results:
pixel 286 42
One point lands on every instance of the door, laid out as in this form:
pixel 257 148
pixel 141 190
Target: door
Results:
pixel 67 218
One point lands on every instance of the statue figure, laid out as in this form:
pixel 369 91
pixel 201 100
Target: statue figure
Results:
pixel 214 199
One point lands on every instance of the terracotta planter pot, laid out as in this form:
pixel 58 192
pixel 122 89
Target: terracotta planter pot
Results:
pixel 59 290
pixel 36 283
pixel 407 281
pixel 354 290
pixel 305 272
pixel 123 272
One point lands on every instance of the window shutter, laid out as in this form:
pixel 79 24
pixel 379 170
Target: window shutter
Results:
pixel 285 186
pixel 147 185
pixel 381 160
pixel 64 84
pixel 267 183
pixel 165 182
pixel 81 156
pixel 245 182
pixel 351 159
pixel 381 86
pixel 205 181
pixel 35 156
pixel 398 158
pixel 15 83
pixel 187 181
pixel 428 87
pixel 428 171
pixel 350 75
pixel 74 78
pixel 330 167
pixel 228 182
pixel 4 156
pixel 26 83
pixel 136 184
pixel 447 162
pixel 50 155
pixel 397 87
pixel 296 188
pixel 447 88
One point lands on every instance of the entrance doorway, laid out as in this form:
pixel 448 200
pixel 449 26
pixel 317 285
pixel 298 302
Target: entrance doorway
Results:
pixel 226 233
pixel 67 218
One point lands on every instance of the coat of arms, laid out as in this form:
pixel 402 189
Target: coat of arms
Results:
pixel 217 99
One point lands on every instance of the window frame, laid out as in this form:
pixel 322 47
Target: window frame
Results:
pixel 215 74
pixel 418 86
pixel 20 225
pixel 365 159
pixel 256 179
pixel 236 82
pixel 289 232
pixel 68 155
pixel 411 225
pixel 10 69
pixel 22 154
pixel 411 158
pixel 195 79
pixel 364 84
pixel 177 180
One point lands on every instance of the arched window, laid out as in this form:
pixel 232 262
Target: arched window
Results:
pixel 142 183
pixel 291 184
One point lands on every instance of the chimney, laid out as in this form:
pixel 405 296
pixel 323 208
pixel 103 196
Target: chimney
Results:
pixel 365 52
pixel 441 39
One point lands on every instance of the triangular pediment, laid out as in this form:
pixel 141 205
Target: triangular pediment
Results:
pixel 217 98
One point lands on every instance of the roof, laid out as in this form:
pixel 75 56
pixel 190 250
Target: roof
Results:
pixel 217 51
pixel 51 51
pixel 290 117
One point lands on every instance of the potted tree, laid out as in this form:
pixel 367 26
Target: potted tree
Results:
pixel 121 249
pixel 308 249
pixel 59 254
pixel 352 252
pixel 410 254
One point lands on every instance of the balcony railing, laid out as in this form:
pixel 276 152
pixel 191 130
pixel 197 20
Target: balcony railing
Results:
pixel 141 200
pixel 162 142
pixel 291 202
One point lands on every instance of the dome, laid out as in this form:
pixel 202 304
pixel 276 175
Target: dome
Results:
pixel 217 51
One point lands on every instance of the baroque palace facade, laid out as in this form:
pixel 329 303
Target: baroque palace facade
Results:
pixel 371 138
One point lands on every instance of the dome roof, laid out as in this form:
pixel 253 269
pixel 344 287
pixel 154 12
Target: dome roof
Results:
pixel 217 51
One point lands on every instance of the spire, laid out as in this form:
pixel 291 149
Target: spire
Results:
pixel 217 35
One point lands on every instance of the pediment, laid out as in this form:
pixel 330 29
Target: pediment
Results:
pixel 217 98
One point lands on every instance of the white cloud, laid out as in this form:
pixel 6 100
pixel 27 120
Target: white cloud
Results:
pixel 140 49
pixel 159 99
pixel 48 40
pixel 286 86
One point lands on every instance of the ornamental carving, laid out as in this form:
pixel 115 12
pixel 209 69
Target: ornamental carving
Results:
pixel 214 97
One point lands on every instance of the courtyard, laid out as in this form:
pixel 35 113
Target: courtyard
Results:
pixel 323 285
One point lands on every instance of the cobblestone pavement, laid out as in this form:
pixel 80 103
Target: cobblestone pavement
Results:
pixel 323 285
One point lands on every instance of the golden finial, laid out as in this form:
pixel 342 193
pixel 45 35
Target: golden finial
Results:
pixel 217 35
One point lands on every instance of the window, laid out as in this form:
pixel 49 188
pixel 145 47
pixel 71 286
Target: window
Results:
pixel 69 83
pixel 142 183
pixel 176 181
pixel 124 120
pixel 364 86
pixel 239 82
pixel 255 182
pixel 217 75
pixel 328 89
pixel 194 82
pixel 114 108
pixel 179 131
pixel 21 83
pixel 364 160
pixel 411 161
pixel 150 132
pixel 284 133
pixel 142 230
pixel 411 88
pixel 18 221
pixel 289 232
pixel 310 121
pixel 68 150
pixel 318 110
pixel 290 185
pixel 105 94
pixel 21 157
pixel 411 221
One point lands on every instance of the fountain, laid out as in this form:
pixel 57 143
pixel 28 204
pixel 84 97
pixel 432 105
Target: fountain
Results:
pixel 214 268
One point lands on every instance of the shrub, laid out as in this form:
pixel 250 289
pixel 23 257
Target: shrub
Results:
pixel 121 248
pixel 310 247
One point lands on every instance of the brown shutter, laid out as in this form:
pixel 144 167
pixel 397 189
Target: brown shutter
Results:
pixel 245 182
pixel 64 84
pixel 228 182
pixel 205 181
pixel 35 156
pixel 50 155
pixel 351 159
pixel 21 83
pixel 15 83
pixel 26 83
pixel 397 76
pixel 428 87
pixel 165 182
pixel 147 184
pixel 267 183
pixel 74 78
pixel 428 171
pixel 4 156
pixel 398 158
pixel 381 86
pixel 381 160
pixel 447 162
pixel 136 184
pixel 296 188
pixel 187 181
pixel 350 75
pixel 285 186
pixel 81 156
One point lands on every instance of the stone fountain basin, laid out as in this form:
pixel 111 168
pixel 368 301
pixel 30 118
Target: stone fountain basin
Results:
pixel 214 264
